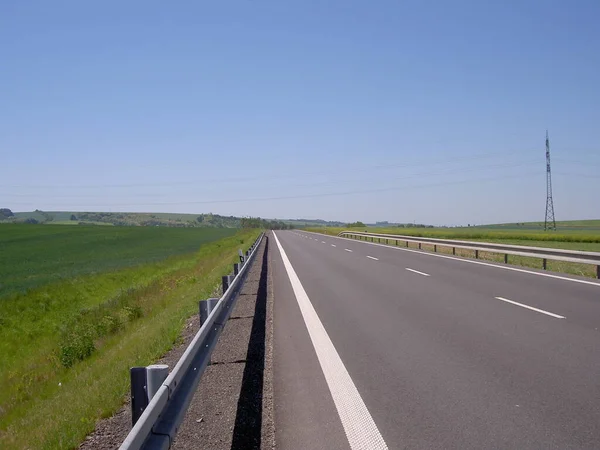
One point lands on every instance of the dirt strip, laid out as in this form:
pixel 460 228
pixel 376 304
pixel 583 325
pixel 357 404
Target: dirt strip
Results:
pixel 233 406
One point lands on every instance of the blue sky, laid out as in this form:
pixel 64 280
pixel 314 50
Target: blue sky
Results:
pixel 427 111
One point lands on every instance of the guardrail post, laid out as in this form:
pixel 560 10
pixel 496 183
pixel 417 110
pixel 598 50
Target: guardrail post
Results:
pixel 544 263
pixel 454 250
pixel 139 399
pixel 476 254
pixel 419 246
pixel 434 248
pixel 236 269
pixel 225 282
pixel 145 382
pixel 506 258
pixel 241 253
pixel 406 244
pixel 156 374
pixel 598 272
pixel 206 307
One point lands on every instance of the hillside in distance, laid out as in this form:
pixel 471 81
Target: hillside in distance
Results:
pixel 125 219
pixel 175 220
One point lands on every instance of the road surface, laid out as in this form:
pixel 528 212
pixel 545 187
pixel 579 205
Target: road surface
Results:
pixel 378 347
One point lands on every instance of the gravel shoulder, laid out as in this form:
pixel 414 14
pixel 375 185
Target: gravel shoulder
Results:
pixel 233 406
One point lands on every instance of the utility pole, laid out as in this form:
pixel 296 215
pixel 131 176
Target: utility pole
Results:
pixel 549 222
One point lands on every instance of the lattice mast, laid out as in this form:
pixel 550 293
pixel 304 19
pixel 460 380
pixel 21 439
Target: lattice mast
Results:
pixel 549 221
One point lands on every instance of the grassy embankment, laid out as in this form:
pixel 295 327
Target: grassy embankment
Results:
pixel 576 235
pixel 80 305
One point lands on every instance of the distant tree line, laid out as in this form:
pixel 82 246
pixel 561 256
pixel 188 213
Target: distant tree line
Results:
pixel 357 224
pixel 414 225
pixel 8 215
pixel 257 222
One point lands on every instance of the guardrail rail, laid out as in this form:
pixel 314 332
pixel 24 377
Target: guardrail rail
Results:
pixel 555 254
pixel 165 399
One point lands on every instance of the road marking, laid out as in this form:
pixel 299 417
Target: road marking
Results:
pixel 348 250
pixel 323 242
pixel 361 430
pixel 437 255
pixel 333 245
pixel 372 257
pixel 531 307
pixel 416 271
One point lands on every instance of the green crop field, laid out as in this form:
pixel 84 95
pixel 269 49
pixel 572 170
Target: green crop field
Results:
pixel 80 305
pixel 31 255
pixel 571 235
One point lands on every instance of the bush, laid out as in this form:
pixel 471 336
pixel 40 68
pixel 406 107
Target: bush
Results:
pixel 81 333
pixel 356 225
pixel 133 312
pixel 76 346
pixel 108 325
pixel 5 213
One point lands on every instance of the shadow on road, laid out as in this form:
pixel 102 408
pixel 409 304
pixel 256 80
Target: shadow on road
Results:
pixel 247 431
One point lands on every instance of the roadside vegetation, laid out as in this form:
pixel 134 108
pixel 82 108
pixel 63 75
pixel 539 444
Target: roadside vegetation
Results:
pixel 82 306
pixel 576 235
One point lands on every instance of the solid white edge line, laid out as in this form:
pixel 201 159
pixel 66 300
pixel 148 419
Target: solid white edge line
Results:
pixel 530 307
pixel 361 430
pixel 416 271
pixel 514 269
pixel 372 257
pixel 348 250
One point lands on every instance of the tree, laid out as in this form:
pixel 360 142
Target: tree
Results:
pixel 73 217
pixel 31 220
pixel 5 213
pixel 357 224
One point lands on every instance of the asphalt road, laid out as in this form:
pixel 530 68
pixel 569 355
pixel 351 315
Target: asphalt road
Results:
pixel 379 347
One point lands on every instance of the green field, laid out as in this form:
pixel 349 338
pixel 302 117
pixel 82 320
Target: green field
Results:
pixel 80 305
pixel 572 235
pixel 32 255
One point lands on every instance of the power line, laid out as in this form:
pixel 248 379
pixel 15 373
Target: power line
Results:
pixel 585 175
pixel 333 183
pixel 272 176
pixel 585 163
pixel 302 196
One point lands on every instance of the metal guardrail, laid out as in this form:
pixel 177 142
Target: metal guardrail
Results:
pixel 555 254
pixel 159 422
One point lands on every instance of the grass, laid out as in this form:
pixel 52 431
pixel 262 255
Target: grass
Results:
pixel 568 237
pixel 33 255
pixel 131 315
